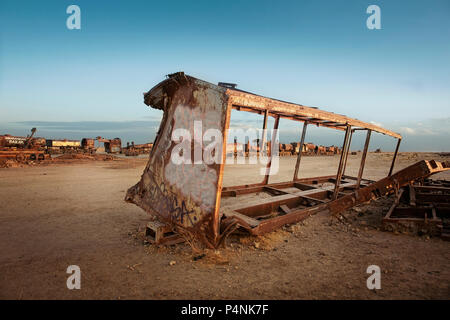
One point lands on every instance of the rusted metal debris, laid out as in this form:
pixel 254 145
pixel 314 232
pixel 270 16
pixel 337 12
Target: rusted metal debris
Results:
pixel 111 145
pixel 285 149
pixel 23 149
pixel 160 233
pixel 136 149
pixel 187 197
pixel 422 208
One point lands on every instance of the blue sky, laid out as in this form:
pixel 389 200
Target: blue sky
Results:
pixel 317 53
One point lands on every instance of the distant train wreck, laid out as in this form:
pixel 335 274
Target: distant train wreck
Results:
pixel 285 149
pixel 186 198
pixel 36 149
pixel 23 149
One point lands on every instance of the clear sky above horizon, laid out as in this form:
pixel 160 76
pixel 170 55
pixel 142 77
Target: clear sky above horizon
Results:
pixel 89 82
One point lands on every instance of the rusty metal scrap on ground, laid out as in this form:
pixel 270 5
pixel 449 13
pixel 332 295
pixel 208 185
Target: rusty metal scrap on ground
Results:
pixel 421 208
pixel 137 149
pixel 186 198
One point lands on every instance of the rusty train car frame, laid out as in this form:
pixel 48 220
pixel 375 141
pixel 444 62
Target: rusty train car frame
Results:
pixel 187 198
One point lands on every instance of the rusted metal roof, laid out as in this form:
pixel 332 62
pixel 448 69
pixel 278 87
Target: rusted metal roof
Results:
pixel 247 101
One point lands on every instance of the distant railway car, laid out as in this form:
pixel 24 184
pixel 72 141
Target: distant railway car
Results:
pixel 310 148
pixel 39 142
pixel 114 146
pixel 137 149
pixel 111 145
pixel 332 150
pixel 12 141
pixel 63 143
pixel 320 150
pixel 144 148
pixel 62 146
pixel 285 149
pixel 88 145
pixel 8 141
pixel 296 147
pixel 22 148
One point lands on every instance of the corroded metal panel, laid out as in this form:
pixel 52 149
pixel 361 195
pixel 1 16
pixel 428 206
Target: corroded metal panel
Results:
pixel 183 195
pixel 65 143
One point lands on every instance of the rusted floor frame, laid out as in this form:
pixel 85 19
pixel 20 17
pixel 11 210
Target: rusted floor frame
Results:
pixel 385 186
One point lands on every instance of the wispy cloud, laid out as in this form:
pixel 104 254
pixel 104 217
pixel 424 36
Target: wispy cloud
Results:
pixel 408 130
pixel 376 123
pixel 81 126
pixel 427 127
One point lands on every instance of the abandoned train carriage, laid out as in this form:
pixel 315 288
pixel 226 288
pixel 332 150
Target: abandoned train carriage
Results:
pixel 137 149
pixel 12 141
pixel 55 146
pixel 111 145
pixel 22 149
pixel 187 197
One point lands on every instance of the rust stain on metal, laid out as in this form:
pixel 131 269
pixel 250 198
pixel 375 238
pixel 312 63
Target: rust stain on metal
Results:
pixel 183 195
pixel 186 197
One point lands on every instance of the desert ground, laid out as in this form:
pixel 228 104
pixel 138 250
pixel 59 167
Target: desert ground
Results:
pixel 74 213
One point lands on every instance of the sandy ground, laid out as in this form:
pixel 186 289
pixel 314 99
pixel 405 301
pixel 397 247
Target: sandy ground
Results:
pixel 74 214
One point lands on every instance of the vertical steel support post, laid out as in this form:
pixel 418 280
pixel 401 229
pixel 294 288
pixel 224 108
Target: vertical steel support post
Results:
pixel 272 138
pixel 346 157
pixel 341 162
pixel 363 158
pixel 299 157
pixel 395 156
pixel 262 142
